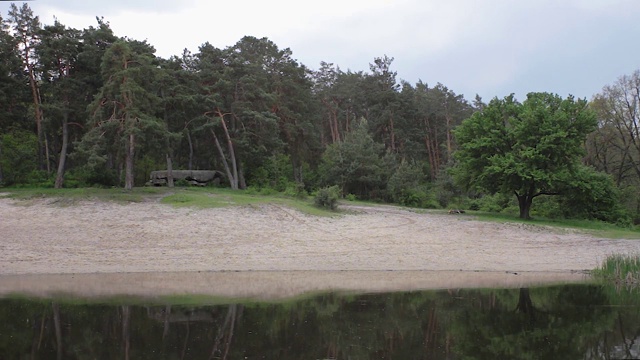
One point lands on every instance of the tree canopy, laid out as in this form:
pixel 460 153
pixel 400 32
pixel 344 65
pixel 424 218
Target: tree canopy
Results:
pixel 530 149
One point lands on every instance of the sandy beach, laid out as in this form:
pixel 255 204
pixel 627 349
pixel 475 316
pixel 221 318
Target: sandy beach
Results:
pixel 45 243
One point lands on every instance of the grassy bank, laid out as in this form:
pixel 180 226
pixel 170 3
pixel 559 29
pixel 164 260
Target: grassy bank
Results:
pixel 209 197
pixel 596 228
pixel 620 269
pixel 206 197
pixel 69 196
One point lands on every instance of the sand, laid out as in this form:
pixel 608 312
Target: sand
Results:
pixel 147 248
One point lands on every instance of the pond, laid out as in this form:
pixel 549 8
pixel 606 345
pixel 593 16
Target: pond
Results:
pixel 570 321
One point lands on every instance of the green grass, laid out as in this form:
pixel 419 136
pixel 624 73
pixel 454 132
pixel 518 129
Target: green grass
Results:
pixel 596 228
pixel 197 197
pixel 209 197
pixel 80 194
pixel 620 269
pixel 215 198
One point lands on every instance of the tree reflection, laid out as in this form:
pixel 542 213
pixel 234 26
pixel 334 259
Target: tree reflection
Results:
pixel 543 323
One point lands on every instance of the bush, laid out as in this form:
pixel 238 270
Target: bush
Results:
pixel 297 191
pixel 181 183
pixel 40 178
pixel 328 197
pixel 93 177
pixel 593 195
pixel 495 203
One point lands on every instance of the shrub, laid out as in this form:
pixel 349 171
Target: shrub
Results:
pixel 593 195
pixel 96 177
pixel 296 190
pixel 328 197
pixel 181 183
pixel 494 203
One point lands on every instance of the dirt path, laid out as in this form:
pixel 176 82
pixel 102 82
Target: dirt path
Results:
pixel 44 237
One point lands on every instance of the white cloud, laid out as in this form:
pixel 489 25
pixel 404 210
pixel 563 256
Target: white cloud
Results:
pixel 488 47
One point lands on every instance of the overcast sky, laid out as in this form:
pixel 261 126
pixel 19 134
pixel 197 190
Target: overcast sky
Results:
pixel 486 47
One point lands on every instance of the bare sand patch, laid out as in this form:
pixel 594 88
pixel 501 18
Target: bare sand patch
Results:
pixel 43 237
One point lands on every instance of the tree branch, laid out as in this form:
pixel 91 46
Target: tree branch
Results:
pixel 545 193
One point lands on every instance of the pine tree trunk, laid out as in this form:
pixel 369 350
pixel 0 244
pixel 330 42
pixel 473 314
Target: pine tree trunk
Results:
pixel 393 134
pixel 63 152
pixel 1 176
pixel 190 150
pixel 242 183
pixel 223 158
pixel 35 93
pixel 431 156
pixel 449 140
pixel 169 171
pixel 130 153
pixel 46 154
pixel 232 155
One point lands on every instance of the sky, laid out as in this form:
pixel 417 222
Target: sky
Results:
pixel 487 47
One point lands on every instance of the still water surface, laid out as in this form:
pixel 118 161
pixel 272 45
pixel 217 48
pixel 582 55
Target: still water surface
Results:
pixel 579 321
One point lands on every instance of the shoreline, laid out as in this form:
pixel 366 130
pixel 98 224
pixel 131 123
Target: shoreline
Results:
pixel 268 285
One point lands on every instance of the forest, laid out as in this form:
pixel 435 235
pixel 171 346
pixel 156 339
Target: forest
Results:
pixel 85 108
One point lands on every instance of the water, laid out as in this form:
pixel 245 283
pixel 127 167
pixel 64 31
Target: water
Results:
pixel 579 321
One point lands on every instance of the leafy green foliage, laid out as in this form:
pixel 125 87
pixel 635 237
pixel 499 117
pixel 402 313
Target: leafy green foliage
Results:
pixel 529 149
pixel 18 157
pixel 354 164
pixel 593 195
pixel 493 203
pixel 327 197
pixel 407 177
pixel 296 190
pixel 276 172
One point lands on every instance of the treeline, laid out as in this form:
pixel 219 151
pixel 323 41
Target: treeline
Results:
pixel 87 108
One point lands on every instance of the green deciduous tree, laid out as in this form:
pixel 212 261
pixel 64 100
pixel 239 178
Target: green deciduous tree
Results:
pixel 615 146
pixel 529 149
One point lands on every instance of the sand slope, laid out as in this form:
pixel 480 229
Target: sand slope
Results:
pixel 44 237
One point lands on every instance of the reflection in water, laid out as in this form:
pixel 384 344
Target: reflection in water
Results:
pixel 560 322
